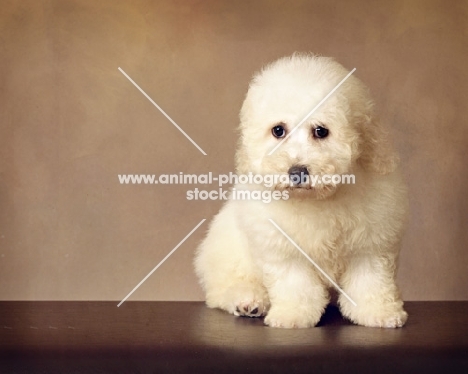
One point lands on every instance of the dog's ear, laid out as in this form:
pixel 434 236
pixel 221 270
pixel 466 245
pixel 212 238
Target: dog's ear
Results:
pixel 242 162
pixel 242 159
pixel 377 154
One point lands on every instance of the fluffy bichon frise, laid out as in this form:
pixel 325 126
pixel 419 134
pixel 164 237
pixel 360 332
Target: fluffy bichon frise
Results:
pixel 247 266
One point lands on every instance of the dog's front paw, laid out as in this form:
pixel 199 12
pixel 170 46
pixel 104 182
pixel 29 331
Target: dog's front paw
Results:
pixel 389 320
pixel 386 316
pixel 291 317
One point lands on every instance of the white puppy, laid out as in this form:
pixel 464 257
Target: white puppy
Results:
pixel 351 231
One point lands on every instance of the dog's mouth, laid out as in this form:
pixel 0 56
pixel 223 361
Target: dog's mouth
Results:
pixel 308 191
pixel 301 187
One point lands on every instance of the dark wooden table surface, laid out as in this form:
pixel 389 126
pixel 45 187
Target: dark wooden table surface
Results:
pixel 179 337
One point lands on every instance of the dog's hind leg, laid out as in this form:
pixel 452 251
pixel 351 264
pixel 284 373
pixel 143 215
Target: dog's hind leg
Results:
pixel 227 272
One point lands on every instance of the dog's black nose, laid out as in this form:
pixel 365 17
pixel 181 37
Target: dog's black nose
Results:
pixel 298 175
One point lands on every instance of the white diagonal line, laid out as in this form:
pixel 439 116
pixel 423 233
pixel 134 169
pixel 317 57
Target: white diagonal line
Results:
pixel 313 262
pixel 312 111
pixel 163 112
pixel 164 259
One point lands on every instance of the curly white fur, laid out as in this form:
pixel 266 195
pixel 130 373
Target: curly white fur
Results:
pixel 353 232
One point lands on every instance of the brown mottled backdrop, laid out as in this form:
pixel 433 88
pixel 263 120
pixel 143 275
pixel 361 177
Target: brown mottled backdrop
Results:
pixel 71 122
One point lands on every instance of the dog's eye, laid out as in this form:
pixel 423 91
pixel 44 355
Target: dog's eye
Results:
pixel 320 132
pixel 278 131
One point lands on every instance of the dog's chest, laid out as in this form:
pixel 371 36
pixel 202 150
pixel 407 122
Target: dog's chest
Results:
pixel 317 231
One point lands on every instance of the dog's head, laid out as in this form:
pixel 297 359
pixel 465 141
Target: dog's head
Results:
pixel 342 134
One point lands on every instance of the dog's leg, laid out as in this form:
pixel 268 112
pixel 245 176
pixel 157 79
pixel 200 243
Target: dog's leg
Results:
pixel 244 297
pixel 298 297
pixel 370 281
pixel 227 272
